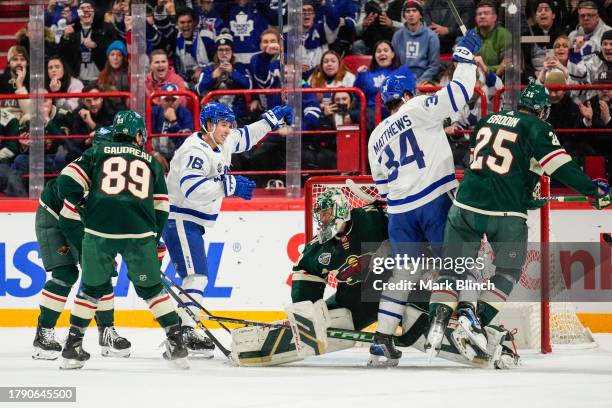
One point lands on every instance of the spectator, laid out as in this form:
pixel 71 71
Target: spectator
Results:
pixel 602 60
pixel 161 73
pixel 417 46
pixel 575 73
pixel 331 73
pixel 9 126
pixel 384 63
pixel 120 20
pixel 342 110
pixel 163 18
pixel 114 75
pixel 585 40
pixel 93 113
pixel 495 38
pixel 207 17
pixel 246 26
pixel 58 10
pixel 50 45
pixel 348 11
pixel 84 43
pixel 169 117
pixel 60 80
pixel 545 23
pixel 264 68
pixel 442 22
pixel 226 73
pixel 318 32
pixel 596 111
pixel 68 16
pixel 194 49
pixel 377 22
pixel 15 77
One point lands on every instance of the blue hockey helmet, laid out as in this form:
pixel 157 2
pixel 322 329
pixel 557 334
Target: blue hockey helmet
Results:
pixel 394 86
pixel 214 112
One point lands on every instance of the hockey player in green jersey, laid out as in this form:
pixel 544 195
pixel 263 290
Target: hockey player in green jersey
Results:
pixel 124 213
pixel 58 258
pixel 511 150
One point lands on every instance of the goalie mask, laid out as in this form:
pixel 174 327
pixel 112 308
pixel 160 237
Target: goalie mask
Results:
pixel 331 211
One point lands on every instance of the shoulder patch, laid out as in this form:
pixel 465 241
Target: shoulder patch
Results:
pixel 324 258
pixel 553 139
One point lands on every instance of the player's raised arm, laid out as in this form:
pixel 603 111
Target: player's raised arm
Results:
pixel 459 90
pixel 245 138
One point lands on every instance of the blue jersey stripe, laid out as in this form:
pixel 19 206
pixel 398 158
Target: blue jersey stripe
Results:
pixel 190 176
pixel 195 185
pixel 390 299
pixel 422 193
pixel 463 90
pixel 197 292
pixel 194 213
pixel 449 89
pixel 381 181
pixel 388 313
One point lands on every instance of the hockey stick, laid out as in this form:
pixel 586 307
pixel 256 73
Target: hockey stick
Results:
pixel 197 321
pixel 563 199
pixel 245 322
pixel 188 296
pixel 457 16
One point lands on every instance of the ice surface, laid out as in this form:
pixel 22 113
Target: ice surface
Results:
pixel 568 378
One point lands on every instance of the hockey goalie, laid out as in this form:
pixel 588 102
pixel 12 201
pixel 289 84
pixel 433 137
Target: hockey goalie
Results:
pixel 347 241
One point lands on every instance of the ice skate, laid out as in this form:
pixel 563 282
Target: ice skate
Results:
pixel 470 322
pixel 197 344
pixel 112 344
pixel 383 352
pixel 73 355
pixel 45 345
pixel 174 348
pixel 435 334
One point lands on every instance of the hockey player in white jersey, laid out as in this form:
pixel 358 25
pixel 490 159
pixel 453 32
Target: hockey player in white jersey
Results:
pixel 197 182
pixel 412 166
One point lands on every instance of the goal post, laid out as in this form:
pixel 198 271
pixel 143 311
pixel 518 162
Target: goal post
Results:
pixel 542 325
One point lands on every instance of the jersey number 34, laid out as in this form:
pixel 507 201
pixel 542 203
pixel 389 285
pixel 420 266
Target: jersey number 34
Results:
pixel 405 138
pixel 500 159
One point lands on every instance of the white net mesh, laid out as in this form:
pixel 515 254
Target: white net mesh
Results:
pixel 566 330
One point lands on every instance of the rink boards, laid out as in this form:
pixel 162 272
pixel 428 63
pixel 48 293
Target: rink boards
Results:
pixel 250 252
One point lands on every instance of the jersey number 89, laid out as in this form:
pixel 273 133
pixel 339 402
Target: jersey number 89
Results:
pixel 114 180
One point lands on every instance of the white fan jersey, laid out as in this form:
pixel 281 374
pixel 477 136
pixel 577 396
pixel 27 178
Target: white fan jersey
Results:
pixel 195 185
pixel 410 158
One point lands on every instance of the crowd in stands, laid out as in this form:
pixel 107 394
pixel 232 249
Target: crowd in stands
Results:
pixel 208 45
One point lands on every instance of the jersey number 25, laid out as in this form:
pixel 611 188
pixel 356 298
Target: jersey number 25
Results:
pixel 405 138
pixel 500 159
pixel 114 180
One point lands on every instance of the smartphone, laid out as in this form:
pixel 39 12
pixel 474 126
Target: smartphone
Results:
pixel 550 53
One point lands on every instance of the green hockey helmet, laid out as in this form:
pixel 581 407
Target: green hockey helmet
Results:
pixel 535 98
pixel 102 135
pixel 127 125
pixel 331 211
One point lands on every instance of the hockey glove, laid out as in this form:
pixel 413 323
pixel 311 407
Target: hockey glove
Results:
pixel 238 186
pixel 465 49
pixel 275 116
pixel 603 200
pixel 161 251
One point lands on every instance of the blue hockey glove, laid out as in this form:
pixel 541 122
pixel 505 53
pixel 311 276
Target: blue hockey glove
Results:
pixel 469 45
pixel 238 186
pixel 603 199
pixel 275 116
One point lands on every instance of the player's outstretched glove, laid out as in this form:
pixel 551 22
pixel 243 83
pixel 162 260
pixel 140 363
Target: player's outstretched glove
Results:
pixel 603 199
pixel 469 45
pixel 161 250
pixel 277 115
pixel 238 186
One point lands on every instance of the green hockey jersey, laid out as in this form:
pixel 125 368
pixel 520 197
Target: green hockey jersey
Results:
pixel 511 149
pixel 340 255
pixel 127 194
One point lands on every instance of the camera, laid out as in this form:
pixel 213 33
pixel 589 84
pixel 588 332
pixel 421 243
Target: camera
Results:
pixel 342 109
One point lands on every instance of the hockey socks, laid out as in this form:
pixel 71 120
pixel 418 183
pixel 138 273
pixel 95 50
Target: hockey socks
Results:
pixel 163 310
pixel 193 285
pixel 54 294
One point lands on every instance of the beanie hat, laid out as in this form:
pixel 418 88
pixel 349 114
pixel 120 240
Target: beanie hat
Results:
pixel 17 50
pixel 555 78
pixel 117 46
pixel 225 38
pixel 93 4
pixel 413 4
pixel 606 36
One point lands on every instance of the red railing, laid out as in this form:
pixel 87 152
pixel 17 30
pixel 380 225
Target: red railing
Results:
pixel 478 90
pixel 362 107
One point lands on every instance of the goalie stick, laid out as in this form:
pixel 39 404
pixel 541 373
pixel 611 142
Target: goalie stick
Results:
pixel 197 321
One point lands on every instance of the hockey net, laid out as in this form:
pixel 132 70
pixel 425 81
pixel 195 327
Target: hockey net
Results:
pixel 540 325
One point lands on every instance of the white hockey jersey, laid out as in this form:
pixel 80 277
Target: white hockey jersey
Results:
pixel 410 158
pixel 195 185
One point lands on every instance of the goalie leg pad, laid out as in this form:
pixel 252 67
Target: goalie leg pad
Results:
pixel 257 346
pixel 340 319
pixel 309 322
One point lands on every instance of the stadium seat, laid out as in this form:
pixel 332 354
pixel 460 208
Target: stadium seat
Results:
pixel 354 62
